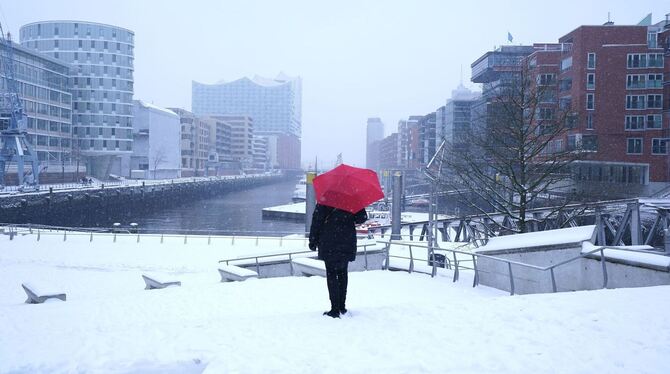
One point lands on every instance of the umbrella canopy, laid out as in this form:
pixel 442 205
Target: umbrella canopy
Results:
pixel 347 188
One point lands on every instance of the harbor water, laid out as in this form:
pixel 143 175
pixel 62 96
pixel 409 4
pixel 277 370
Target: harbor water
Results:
pixel 233 213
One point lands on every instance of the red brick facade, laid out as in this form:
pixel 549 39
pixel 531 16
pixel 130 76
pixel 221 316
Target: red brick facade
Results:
pixel 615 93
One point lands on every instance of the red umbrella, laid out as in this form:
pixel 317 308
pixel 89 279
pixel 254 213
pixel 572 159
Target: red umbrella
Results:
pixel 347 188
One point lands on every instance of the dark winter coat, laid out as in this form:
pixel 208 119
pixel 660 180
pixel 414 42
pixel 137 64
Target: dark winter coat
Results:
pixel 333 232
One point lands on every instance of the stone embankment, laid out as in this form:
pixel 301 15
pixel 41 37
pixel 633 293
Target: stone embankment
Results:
pixel 75 207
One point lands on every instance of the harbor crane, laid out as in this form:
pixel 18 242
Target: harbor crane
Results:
pixel 14 145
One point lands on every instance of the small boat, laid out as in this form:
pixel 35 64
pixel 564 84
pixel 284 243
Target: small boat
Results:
pixel 300 192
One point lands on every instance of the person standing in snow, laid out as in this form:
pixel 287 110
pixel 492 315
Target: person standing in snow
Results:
pixel 333 232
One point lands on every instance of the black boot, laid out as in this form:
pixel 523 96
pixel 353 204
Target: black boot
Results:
pixel 332 313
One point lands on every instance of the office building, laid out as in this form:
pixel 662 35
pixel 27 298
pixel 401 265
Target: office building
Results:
pixel 195 146
pixel 45 92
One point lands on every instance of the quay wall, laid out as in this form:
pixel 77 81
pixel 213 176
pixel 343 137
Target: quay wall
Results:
pixel 76 207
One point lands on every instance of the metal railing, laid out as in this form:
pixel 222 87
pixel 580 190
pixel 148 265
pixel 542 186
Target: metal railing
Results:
pixel 475 256
pixel 125 183
pixel 289 257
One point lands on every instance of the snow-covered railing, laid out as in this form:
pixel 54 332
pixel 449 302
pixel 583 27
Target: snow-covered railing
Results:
pixel 98 233
pixel 258 260
pixel 455 264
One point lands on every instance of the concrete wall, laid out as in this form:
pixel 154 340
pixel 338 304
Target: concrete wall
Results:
pixel 582 274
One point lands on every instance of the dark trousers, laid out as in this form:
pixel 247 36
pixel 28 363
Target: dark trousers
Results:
pixel 337 278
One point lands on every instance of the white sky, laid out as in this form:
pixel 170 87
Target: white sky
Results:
pixel 358 59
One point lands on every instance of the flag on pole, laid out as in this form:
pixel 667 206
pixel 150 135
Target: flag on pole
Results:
pixel 509 37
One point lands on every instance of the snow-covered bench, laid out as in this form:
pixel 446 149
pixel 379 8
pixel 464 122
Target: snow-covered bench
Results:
pixel 232 273
pixel 37 296
pixel 309 266
pixel 153 282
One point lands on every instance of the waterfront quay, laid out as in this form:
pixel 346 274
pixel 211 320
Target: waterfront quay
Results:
pixel 78 205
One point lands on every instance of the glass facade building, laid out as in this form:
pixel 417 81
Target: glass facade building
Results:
pixel 101 57
pixel 274 104
pixel 43 86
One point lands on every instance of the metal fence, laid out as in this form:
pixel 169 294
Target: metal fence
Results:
pixel 456 267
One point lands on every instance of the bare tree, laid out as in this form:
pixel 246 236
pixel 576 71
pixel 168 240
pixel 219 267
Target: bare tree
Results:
pixel 514 153
pixel 158 159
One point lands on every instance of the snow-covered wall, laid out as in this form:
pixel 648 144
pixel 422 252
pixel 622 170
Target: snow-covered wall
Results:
pixel 558 246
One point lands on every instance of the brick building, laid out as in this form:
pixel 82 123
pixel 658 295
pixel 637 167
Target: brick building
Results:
pixel 613 79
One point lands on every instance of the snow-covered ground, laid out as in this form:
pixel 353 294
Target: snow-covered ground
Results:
pixel 398 322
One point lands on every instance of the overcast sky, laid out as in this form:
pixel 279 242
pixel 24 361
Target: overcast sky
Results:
pixel 358 59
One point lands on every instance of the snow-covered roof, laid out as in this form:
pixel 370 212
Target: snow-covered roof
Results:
pixel 156 107
pixel 637 254
pixel 540 238
pixel 280 80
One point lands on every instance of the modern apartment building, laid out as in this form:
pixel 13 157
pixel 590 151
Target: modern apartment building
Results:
pixel 260 153
pixel 220 159
pixel 274 104
pixel 427 138
pixel 408 143
pixel 614 78
pixel 47 101
pixel 195 146
pixel 101 57
pixel 241 139
pixel 454 119
pixel 375 133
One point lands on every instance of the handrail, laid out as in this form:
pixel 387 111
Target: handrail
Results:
pixel 508 262
pixel 290 254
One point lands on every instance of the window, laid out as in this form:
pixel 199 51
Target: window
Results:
pixel 591 61
pixel 589 142
pixel 92 44
pixel 634 146
pixel 546 79
pixel 655 81
pixel 655 101
pixel 589 121
pixel 566 63
pixel 590 81
pixel 81 43
pixel 634 122
pixel 590 104
pixel 99 130
pixel 654 121
pixel 546 113
pixel 104 45
pixel 635 101
pixel 636 60
pixel 56 43
pixel 659 146
pixel 655 60
pixel 652 40
pixel 114 132
pixel 643 60
pixel 56 30
pixel 634 81
pixel 565 85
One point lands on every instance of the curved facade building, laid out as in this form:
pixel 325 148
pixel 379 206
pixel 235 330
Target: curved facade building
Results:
pixel 101 57
pixel 274 105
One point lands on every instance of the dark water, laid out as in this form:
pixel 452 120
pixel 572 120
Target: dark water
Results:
pixel 238 212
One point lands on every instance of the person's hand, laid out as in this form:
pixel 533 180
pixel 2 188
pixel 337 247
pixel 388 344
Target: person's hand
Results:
pixel 312 246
